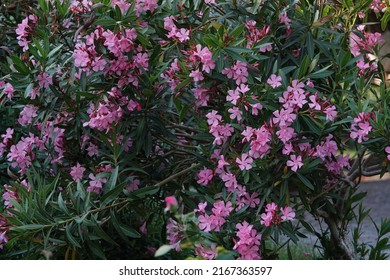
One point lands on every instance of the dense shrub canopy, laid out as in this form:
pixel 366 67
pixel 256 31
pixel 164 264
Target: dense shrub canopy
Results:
pixel 208 126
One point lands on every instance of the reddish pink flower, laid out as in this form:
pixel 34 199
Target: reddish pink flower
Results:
pixel 171 203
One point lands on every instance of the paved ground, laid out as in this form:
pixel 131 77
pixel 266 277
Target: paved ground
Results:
pixel 378 200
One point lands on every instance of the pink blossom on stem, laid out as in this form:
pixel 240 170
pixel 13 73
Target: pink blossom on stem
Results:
pixel 208 253
pixel 387 150
pixel 95 184
pixel 133 185
pixel 274 81
pixel 175 233
pixel 27 115
pixel 295 162
pixel 77 172
pixel 44 80
pixel 245 162
pixel 205 176
pixel 287 213
pixel 8 90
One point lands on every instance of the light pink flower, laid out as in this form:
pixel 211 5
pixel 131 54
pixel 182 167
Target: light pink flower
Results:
pixel 196 75
pixel 44 80
pixel 133 185
pixel 295 162
pixel 288 213
pixel 95 184
pixel 208 254
pixel 9 90
pixel 77 172
pixel 274 81
pixel 245 162
pixel 27 115
pixel 205 176
pixel 388 152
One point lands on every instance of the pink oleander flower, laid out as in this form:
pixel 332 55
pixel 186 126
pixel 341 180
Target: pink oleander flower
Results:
pixel 201 210
pixel 44 80
pixel 387 150
pixel 213 118
pixel 284 117
pixel 235 113
pixel 196 75
pixel 77 172
pixel 295 162
pixel 206 253
pixel 183 35
pixel 9 90
pixel 205 176
pixel 21 155
pixel 245 162
pixel 283 18
pixel 145 5
pixel 274 81
pixel 27 115
pixel 287 213
pixel 175 233
pixel 123 5
pixel 96 184
pixel 171 203
pixel 3 239
pixel 133 185
pixel 221 209
pixel 248 244
pixel 361 126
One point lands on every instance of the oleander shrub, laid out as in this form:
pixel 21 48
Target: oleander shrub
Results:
pixel 190 129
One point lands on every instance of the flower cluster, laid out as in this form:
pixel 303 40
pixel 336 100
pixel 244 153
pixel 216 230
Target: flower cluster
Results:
pixel 361 126
pixel 25 30
pixel 248 243
pixel 272 215
pixel 214 221
pixel 208 252
pixel 175 233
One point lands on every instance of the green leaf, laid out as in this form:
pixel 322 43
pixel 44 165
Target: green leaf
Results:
pixel 102 234
pixel 20 66
pixel 54 51
pixel 70 237
pixel 164 249
pixel 305 181
pixel 111 195
pixel 146 191
pixel 96 250
pixel 323 73
pixel 234 55
pixel 62 205
pixel 237 31
pixel 29 227
pixel 113 178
